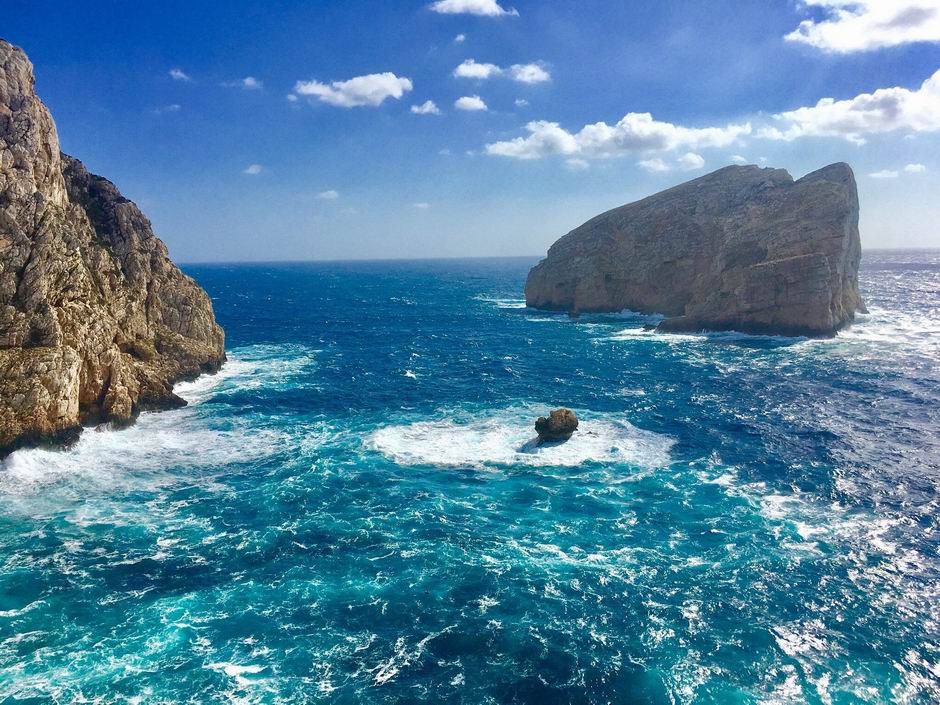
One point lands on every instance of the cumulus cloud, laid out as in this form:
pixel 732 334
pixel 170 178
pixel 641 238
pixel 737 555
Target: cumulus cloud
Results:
pixel 179 75
pixel 690 161
pixel 915 168
pixel 164 109
pixel 523 73
pixel 884 174
pixel 252 169
pixel 636 133
pixel 885 110
pixel 292 98
pixel 471 69
pixel 653 165
pixel 330 195
pixel 738 159
pixel 863 25
pixel 248 83
pixel 460 39
pixel 470 103
pixel 428 107
pixel 482 8
pixel 522 103
pixel 370 90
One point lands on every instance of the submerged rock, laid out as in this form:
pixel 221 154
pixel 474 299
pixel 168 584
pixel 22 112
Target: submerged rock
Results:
pixel 96 322
pixel 742 248
pixel 559 425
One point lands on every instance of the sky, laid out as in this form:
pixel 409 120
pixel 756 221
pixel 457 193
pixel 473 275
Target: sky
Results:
pixel 285 130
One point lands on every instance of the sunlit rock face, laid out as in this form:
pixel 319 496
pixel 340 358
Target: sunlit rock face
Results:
pixel 742 248
pixel 96 322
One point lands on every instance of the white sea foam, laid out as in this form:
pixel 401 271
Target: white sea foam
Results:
pixel 506 437
pixel 502 303
pixel 143 453
pixel 885 330
pixel 146 452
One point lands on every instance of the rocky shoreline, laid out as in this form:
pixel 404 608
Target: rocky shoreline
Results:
pixel 96 322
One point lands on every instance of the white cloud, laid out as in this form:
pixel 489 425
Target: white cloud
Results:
pixel 179 75
pixel 370 90
pixel 291 98
pixel 330 195
pixel 863 25
pixel 470 103
pixel 428 107
pixel 522 103
pixel 523 73
pixel 483 8
pixel 636 133
pixel 738 159
pixel 528 73
pixel 249 83
pixel 576 164
pixel 690 161
pixel 885 110
pixel 915 168
pixel 252 169
pixel 884 174
pixel 164 109
pixel 421 206
pixel 471 69
pixel 460 39
pixel 653 165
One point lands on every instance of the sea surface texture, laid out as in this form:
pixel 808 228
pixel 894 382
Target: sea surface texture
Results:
pixel 352 510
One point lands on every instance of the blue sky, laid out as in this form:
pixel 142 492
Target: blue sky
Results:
pixel 319 154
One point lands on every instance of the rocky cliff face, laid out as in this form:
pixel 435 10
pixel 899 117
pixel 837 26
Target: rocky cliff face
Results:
pixel 96 323
pixel 742 248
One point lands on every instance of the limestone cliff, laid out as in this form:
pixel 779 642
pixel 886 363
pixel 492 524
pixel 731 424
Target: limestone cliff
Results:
pixel 96 322
pixel 742 248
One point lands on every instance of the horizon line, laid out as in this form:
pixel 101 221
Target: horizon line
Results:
pixel 454 258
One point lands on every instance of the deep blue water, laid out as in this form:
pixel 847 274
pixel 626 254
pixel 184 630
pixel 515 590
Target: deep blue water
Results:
pixel 349 513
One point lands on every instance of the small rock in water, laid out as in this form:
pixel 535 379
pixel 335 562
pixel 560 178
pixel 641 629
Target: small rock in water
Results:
pixel 559 425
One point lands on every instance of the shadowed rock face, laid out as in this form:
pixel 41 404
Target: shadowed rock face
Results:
pixel 559 425
pixel 742 248
pixel 96 323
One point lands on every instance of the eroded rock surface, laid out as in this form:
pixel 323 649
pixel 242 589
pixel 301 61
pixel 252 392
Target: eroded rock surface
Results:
pixel 742 248
pixel 96 322
pixel 559 425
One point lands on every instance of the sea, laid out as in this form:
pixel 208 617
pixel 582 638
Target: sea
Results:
pixel 352 510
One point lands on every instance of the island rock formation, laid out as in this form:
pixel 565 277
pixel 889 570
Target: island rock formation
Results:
pixel 559 425
pixel 96 322
pixel 742 248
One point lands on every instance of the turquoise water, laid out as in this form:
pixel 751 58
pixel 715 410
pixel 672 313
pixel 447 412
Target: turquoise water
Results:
pixel 350 513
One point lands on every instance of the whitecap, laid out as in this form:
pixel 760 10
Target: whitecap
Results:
pixel 506 437
pixel 502 302
pixel 146 453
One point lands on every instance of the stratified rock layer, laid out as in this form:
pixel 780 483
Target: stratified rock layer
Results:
pixel 742 248
pixel 96 322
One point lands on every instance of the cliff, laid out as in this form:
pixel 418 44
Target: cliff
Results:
pixel 96 322
pixel 742 248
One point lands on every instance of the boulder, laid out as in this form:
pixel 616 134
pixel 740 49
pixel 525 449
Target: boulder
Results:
pixel 558 426
pixel 743 248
